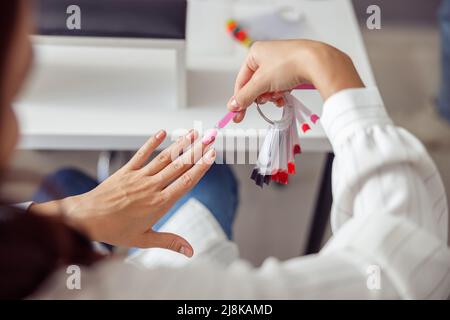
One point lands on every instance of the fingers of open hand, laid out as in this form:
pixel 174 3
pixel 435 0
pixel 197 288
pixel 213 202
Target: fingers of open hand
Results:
pixel 142 155
pixel 180 165
pixel 190 178
pixel 171 153
pixel 173 167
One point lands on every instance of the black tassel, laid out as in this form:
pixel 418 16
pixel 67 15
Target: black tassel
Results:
pixel 260 180
pixel 254 174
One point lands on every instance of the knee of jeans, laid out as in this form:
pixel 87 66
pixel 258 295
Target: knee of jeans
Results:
pixel 63 183
pixel 66 172
pixel 66 175
pixel 219 192
pixel 222 177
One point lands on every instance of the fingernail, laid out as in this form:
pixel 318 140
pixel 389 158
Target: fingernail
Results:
pixel 211 154
pixel 160 134
pixel 210 136
pixel 234 105
pixel 208 140
pixel 191 135
pixel 185 251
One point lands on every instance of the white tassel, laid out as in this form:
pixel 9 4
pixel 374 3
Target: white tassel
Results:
pixel 276 156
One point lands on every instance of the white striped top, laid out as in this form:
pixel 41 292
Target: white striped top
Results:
pixel 389 220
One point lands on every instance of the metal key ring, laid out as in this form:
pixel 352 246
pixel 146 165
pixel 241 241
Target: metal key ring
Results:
pixel 263 115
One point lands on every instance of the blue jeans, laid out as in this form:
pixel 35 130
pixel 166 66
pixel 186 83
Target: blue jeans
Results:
pixel 444 96
pixel 217 190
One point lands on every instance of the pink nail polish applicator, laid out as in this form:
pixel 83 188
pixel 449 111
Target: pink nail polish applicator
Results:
pixel 211 134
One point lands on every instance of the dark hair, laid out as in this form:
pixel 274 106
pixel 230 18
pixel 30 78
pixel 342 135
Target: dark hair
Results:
pixel 9 10
pixel 32 246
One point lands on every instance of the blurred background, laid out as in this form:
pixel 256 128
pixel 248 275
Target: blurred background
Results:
pixel 405 58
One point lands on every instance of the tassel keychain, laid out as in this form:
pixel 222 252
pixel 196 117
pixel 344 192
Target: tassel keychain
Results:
pixel 276 156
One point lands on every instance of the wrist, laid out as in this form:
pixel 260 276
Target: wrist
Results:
pixel 76 210
pixel 70 208
pixel 331 70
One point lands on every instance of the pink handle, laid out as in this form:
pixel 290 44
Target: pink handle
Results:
pixel 225 120
pixel 211 134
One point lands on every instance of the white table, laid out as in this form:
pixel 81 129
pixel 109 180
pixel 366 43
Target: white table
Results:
pixel 112 99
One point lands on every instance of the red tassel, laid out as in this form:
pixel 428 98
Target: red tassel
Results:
pixel 291 167
pixel 284 177
pixel 305 127
pixel 297 149
pixel 314 117
pixel 275 177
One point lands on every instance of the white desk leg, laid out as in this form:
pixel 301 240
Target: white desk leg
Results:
pixel 104 165
pixel 181 77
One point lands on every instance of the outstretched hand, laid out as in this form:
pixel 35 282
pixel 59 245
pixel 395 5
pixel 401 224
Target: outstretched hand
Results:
pixel 123 209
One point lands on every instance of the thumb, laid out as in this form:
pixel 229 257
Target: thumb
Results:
pixel 168 241
pixel 244 97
